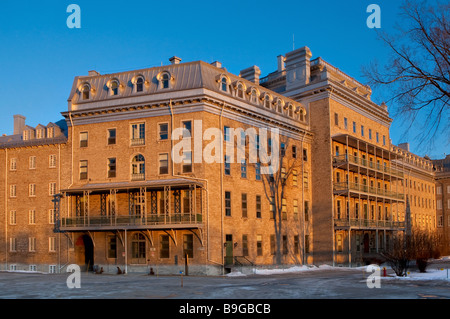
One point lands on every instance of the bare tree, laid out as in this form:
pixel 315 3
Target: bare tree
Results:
pixel 275 190
pixel 417 74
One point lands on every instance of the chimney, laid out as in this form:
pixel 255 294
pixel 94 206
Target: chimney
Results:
pixel 93 73
pixel 19 124
pixel 217 64
pixel 298 70
pixel 251 74
pixel 404 146
pixel 175 60
pixel 280 60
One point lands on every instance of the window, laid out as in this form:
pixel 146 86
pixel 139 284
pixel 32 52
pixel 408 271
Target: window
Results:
pixel 227 203
pixel 187 162
pixel 50 132
pixel 83 139
pixel 163 131
pixel 138 246
pixel 112 246
pixel 51 216
pixel 12 191
pixel 12 217
pixel 296 245
pixel 52 244
pixel 112 136
pixel 377 136
pixel 339 245
pixel 258 171
pixel 164 246
pixel 305 180
pixel 163 164
pixel 31 244
pixel 13 164
pixel 52 269
pixel 188 245
pixel 85 92
pixel 295 212
pixel 32 162
pixel 336 119
pixel 439 204
pixel 227 166
pixel 240 91
pixel 306 211
pixel 370 134
pixel 187 129
pixel 244 245
pixel 52 161
pixel 137 134
pixel 224 84
pixel 267 101
pixel 226 134
pixel 244 205
pixel 243 168
pixel 345 123
pixel 32 190
pixel 305 155
pixel 259 246
pixel 272 245
pixel 258 206
pixel 83 170
pixel 165 81
pixel 31 217
pixel 114 88
pixel 254 97
pixel 283 209
pixel 40 133
pixel 362 130
pixel 111 167
pixel 294 177
pixel 138 167
pixel 140 84
pixel 384 140
pixel 306 244
pixel 272 208
pixel 52 188
pixel 354 127
pixel 12 245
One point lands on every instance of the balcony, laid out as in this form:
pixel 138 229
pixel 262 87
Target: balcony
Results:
pixel 137 141
pixel 152 221
pixel 361 162
pixel 138 177
pixel 365 189
pixel 368 224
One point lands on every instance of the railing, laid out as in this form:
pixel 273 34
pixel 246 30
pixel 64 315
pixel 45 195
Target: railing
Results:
pixel 368 164
pixel 137 141
pixel 138 177
pixel 242 261
pixel 346 186
pixel 368 223
pixel 131 220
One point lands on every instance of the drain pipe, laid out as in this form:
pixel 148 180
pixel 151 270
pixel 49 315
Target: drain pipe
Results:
pixel 6 209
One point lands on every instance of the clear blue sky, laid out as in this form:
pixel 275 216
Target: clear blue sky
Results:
pixel 40 55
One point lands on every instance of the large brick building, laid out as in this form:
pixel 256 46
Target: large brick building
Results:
pixel 105 186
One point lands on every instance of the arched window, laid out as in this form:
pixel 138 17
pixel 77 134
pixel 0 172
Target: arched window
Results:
pixel 240 91
pixel 254 96
pixel 302 115
pixel 114 87
pixel 290 111
pixel 138 168
pixel 224 84
pixel 267 101
pixel 85 92
pixel 140 85
pixel 279 106
pixel 165 81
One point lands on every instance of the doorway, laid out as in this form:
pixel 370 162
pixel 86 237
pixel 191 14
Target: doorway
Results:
pixel 228 249
pixel 84 249
pixel 366 243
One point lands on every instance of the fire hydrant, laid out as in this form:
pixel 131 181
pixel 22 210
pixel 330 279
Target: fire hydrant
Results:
pixel 384 271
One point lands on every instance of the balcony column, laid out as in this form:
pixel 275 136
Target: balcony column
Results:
pixel 86 207
pixel 166 203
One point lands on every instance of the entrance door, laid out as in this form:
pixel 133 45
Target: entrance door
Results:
pixel 228 249
pixel 88 252
pixel 366 243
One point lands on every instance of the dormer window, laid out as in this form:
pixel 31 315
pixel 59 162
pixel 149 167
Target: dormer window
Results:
pixel 240 91
pixel 267 101
pixel 86 92
pixel 223 84
pixel 114 87
pixel 165 81
pixel 50 132
pixel 290 110
pixel 279 106
pixel 40 133
pixel 302 114
pixel 254 96
pixel 26 135
pixel 140 85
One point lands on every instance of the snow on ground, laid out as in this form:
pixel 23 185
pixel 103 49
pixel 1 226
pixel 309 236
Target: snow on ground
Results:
pixel 414 274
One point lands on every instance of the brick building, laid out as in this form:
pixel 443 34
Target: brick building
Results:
pixel 105 187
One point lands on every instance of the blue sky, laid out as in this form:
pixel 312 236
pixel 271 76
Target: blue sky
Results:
pixel 40 55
